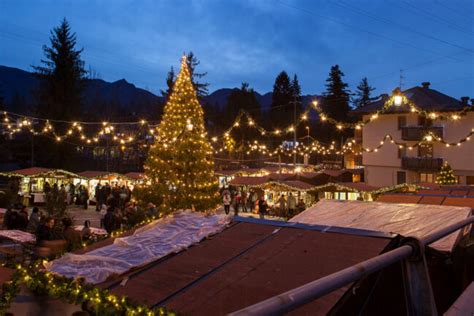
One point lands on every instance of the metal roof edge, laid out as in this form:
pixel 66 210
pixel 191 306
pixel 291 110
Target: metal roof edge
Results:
pixel 321 228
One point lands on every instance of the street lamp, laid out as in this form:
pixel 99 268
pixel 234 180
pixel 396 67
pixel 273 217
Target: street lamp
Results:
pixel 307 129
pixel 397 97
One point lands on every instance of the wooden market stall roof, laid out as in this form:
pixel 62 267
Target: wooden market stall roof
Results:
pixel 292 185
pixel 225 273
pixel 268 181
pixel 249 181
pixel 36 172
pixel 362 187
pixel 96 175
pixel 135 175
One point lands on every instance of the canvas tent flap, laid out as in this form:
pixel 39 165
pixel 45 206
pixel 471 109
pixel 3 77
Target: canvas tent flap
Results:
pixel 149 243
pixel 414 220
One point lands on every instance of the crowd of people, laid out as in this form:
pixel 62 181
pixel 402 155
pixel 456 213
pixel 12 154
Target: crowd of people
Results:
pixel 251 201
pixel 115 205
pixel 44 227
pixel 58 197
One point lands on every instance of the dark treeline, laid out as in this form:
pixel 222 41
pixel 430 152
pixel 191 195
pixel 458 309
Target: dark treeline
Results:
pixel 60 96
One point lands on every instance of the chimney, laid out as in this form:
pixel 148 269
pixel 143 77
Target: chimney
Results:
pixel 465 100
pixel 425 85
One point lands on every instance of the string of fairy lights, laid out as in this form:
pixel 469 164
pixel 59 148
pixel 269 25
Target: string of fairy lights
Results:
pixel 123 134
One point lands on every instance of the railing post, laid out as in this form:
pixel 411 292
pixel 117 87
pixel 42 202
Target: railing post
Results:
pixel 419 294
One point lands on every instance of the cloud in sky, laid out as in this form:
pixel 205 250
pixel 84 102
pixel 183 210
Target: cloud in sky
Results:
pixel 253 41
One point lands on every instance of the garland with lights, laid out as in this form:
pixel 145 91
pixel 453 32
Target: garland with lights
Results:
pixel 149 130
pixel 397 99
pixel 75 291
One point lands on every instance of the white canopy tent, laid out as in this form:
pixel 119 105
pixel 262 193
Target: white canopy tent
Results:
pixel 409 220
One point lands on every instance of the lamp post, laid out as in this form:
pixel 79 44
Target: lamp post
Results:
pixel 307 129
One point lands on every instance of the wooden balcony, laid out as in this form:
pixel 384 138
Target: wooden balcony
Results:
pixel 417 133
pixel 422 163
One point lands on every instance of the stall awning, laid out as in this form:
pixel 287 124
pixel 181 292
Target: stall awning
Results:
pixel 96 175
pixel 135 175
pixel 361 187
pixel 249 181
pixel 289 185
pixel 36 172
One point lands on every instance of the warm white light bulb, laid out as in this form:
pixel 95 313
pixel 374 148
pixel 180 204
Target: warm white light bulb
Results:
pixel 397 100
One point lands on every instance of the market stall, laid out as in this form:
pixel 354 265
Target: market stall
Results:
pixel 356 191
pixel 32 181
pixel 90 179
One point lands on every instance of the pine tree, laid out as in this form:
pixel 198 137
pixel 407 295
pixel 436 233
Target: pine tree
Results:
pixel 62 76
pixel 296 89
pixel 179 165
pixel 242 99
pixel 446 175
pixel 201 88
pixel 282 98
pixel 336 97
pixel 170 77
pixel 362 93
pixel 2 99
pixel 296 92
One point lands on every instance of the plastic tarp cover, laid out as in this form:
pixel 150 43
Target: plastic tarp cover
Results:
pixel 149 243
pixel 18 236
pixel 409 220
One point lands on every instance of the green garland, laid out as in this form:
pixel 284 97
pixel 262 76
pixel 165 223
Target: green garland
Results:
pixel 99 302
pixel 74 291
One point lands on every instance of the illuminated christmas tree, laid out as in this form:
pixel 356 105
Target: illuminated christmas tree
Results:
pixel 446 175
pixel 179 166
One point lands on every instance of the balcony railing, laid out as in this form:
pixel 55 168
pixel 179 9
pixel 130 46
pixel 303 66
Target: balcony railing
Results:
pixel 419 132
pixel 422 163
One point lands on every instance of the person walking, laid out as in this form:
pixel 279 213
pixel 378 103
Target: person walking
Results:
pixel 34 221
pixel 262 207
pixel 98 197
pixel 110 220
pixel 282 205
pixel 226 199
pixel 252 200
pixel 243 201
pixel 291 205
pixel 84 197
pixel 236 203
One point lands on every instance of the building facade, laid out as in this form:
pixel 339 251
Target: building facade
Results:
pixel 392 164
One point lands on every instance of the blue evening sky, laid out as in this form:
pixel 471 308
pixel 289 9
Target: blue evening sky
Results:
pixel 253 41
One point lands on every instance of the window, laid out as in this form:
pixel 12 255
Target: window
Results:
pixel 470 180
pixel 402 152
pixel 424 121
pixel 427 177
pixel 425 150
pixel 401 177
pixel 402 121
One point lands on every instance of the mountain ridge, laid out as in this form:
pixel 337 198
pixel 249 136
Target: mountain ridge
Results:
pixel 17 86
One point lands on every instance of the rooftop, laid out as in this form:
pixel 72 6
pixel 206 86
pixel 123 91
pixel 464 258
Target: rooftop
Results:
pixel 423 97
pixel 237 267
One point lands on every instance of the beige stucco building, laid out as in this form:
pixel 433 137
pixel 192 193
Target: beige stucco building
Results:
pixel 391 165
